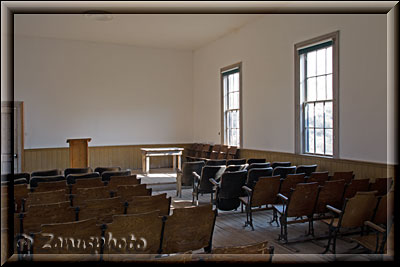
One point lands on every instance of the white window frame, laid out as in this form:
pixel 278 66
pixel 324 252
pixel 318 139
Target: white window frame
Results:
pixel 299 112
pixel 224 141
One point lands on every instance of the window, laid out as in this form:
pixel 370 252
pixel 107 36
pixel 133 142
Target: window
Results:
pixel 231 105
pixel 316 96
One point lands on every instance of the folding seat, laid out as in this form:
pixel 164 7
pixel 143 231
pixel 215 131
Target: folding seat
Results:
pixel 306 169
pixel 68 171
pixel 202 184
pixel 185 177
pixel 290 182
pixel 283 171
pixel 143 204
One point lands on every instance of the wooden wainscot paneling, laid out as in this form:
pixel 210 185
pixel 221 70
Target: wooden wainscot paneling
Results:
pixel 361 169
pixel 126 157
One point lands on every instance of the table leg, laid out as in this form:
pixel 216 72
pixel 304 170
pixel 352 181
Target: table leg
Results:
pixel 147 164
pixel 143 163
pixel 173 162
pixel 179 162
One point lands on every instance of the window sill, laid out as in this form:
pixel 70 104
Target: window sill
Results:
pixel 317 156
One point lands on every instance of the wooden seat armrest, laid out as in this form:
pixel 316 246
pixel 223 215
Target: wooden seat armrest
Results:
pixel 213 182
pixel 374 226
pixel 282 197
pixel 196 176
pixel 249 190
pixel 329 207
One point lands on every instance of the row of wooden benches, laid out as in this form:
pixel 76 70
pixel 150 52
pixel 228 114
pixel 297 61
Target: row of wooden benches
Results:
pixel 211 151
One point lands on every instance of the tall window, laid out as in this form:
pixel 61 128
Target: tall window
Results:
pixel 231 98
pixel 317 89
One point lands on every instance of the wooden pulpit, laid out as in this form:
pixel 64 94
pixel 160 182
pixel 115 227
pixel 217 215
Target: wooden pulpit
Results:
pixel 78 152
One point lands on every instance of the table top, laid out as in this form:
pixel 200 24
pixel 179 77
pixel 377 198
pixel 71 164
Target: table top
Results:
pixel 163 149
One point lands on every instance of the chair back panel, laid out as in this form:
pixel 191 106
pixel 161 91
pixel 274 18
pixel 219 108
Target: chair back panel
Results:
pixel 101 209
pixel 302 200
pixel 319 177
pixel 255 160
pixel 283 171
pixel 258 165
pixel 355 186
pixel 281 164
pixel 255 173
pixel 34 181
pixel 106 176
pixel 235 162
pixel 188 229
pixel 210 172
pixel 84 194
pixel 80 237
pixel 128 191
pixel 359 209
pixel 73 177
pixel 265 191
pixel 291 181
pixel 86 183
pixel 217 162
pixel 134 234
pixel 231 184
pixel 187 171
pixel 382 185
pixel 50 186
pixel 53 172
pixel 330 194
pixel 347 176
pixel 37 215
pixel 100 170
pixel 68 171
pixel 306 169
pixel 47 197
pixel 143 204
pixel 384 208
pixel 115 181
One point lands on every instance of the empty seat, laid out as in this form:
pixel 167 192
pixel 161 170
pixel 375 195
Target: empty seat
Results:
pixel 229 189
pixel 284 171
pixel 100 170
pixel 255 173
pixel 306 169
pixel 300 202
pixel 101 209
pixel 68 171
pixel 52 172
pixel 25 175
pixel 356 185
pixel 189 229
pixel 235 162
pixel 319 177
pixel 79 237
pixel 264 192
pixel 281 164
pixel 202 184
pixel 50 186
pixel 84 194
pixel 290 182
pixel 126 192
pixel 216 162
pixel 106 175
pixel 73 177
pixel 258 165
pixel 134 234
pixel 184 177
pixel 86 183
pixel 143 204
pixel 47 197
pixel 115 181
pixel 36 215
pixel 382 185
pixel 255 160
pixel 43 179
pixel 347 176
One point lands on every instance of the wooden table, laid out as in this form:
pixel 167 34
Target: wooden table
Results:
pixel 175 152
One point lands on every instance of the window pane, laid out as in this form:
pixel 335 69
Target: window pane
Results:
pixel 311 63
pixel 321 61
pixel 329 86
pixel 230 86
pixel 328 115
pixel 302 78
pixel 329 142
pixel 329 60
pixel 311 88
pixel 319 115
pixel 321 86
pixel 319 141
pixel 235 103
pixel 310 115
pixel 235 82
pixel 310 140
pixel 235 120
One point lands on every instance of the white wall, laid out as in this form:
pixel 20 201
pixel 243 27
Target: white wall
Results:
pixel 114 94
pixel 266 50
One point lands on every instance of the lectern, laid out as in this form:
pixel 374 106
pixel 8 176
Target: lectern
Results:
pixel 78 152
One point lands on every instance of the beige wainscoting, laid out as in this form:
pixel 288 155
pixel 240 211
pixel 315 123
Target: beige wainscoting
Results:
pixel 361 169
pixel 126 157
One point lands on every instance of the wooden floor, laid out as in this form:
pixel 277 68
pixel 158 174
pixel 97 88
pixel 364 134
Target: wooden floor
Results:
pixel 230 231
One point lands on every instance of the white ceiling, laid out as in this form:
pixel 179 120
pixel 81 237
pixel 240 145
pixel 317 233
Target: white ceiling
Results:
pixel 172 31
